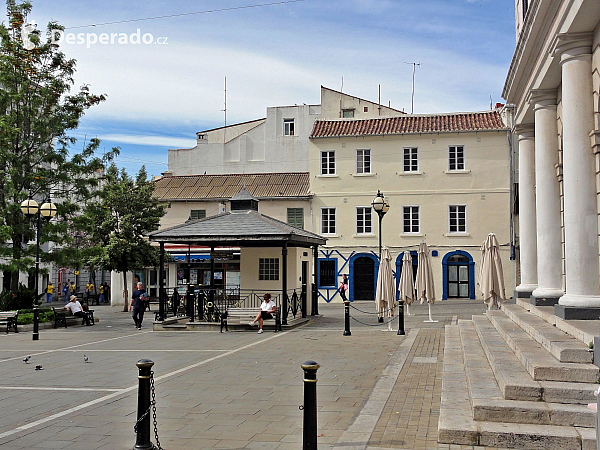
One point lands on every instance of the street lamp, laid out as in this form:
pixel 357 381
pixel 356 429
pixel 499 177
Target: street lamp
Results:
pixel 381 206
pixel 31 208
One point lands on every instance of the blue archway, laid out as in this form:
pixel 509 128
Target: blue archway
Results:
pixel 376 271
pixel 414 257
pixel 446 263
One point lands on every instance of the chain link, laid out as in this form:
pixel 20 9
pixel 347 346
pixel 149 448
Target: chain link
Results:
pixel 371 324
pixel 369 312
pixel 153 407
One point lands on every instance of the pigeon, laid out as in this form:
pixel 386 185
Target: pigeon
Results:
pixel 38 367
pixel 26 359
pixel 85 358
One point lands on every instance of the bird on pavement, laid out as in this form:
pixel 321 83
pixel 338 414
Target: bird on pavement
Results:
pixel 39 367
pixel 26 359
pixel 85 358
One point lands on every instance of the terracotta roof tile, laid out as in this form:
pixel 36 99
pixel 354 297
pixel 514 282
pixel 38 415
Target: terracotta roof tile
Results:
pixel 478 121
pixel 263 185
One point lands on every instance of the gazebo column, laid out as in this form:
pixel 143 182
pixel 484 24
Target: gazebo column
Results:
pixel 211 292
pixel 547 196
pixel 284 298
pixel 582 299
pixel 527 225
pixel 314 311
pixel 161 283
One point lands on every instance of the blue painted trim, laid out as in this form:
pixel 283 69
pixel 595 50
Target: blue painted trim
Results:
pixel 353 258
pixel 445 264
pixel 319 272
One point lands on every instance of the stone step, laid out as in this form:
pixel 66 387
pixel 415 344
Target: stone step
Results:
pixel 525 436
pixel 542 413
pixel 515 382
pixel 540 364
pixel 563 347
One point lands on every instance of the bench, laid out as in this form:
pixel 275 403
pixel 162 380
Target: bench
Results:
pixel 60 316
pixel 9 318
pixel 244 315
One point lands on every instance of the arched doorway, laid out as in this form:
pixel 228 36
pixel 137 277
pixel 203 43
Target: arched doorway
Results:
pixel 458 272
pixel 415 262
pixel 363 277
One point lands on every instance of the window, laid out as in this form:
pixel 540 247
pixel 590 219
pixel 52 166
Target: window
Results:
pixel 327 272
pixel 366 109
pixel 197 214
pixel 268 269
pixel 288 127
pixel 363 220
pixel 456 157
pixel 347 113
pixel 328 162
pixel 411 159
pixel 458 277
pixel 295 217
pixel 328 220
pixel 525 8
pixel 363 161
pixel 458 218
pixel 411 219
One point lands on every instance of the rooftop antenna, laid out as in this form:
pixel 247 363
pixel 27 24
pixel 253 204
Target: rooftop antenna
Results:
pixel 379 100
pixel 412 103
pixel 225 112
pixel 491 103
pixel 341 94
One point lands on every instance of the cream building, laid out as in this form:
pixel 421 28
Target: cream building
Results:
pixel 447 179
pixel 554 83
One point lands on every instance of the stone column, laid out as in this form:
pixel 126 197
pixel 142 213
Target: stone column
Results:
pixel 582 299
pixel 527 228
pixel 547 197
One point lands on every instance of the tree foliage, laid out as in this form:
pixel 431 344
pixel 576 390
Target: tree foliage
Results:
pixel 39 109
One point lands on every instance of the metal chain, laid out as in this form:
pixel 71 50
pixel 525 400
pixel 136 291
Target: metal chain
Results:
pixel 370 324
pixel 153 404
pixel 369 312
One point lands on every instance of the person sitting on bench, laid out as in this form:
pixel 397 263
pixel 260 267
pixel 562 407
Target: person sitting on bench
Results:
pixel 77 310
pixel 267 308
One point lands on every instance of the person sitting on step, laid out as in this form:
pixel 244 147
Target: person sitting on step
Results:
pixel 267 308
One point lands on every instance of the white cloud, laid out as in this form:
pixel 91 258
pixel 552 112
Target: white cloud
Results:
pixel 149 140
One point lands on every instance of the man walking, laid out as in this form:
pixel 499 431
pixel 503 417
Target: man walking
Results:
pixel 137 305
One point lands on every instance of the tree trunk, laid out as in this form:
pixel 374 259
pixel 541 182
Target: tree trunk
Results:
pixel 125 293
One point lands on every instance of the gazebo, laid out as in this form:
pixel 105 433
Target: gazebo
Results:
pixel 257 235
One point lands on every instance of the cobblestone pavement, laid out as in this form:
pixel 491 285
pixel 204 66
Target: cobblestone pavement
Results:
pixel 231 390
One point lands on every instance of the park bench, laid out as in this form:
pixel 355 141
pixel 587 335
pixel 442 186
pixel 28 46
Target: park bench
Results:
pixel 9 319
pixel 243 316
pixel 61 315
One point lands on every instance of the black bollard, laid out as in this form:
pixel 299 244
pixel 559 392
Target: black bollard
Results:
pixel 347 318
pixel 36 324
pixel 401 318
pixel 142 439
pixel 309 432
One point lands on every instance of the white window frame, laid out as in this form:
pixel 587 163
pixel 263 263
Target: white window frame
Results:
pixel 411 219
pixel 330 161
pixel 328 232
pixel 361 170
pixel 289 127
pixel 364 210
pixel 457 217
pixel 456 169
pixel 412 158
pixel 268 269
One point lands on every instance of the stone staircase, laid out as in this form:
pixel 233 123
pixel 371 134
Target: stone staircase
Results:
pixel 513 379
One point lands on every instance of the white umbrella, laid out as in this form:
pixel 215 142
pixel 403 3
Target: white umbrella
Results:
pixel 425 287
pixel 385 297
pixel 491 276
pixel 407 284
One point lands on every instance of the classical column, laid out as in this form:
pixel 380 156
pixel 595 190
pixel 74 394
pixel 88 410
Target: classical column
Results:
pixel 580 207
pixel 527 230
pixel 547 200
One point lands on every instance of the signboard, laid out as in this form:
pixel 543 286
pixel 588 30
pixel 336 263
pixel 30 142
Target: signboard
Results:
pixel 77 272
pixel 221 256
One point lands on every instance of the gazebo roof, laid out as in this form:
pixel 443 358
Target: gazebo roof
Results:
pixel 247 228
pixel 243 195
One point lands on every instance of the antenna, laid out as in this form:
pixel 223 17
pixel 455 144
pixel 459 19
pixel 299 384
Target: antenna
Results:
pixel 341 94
pixel 379 100
pixel 412 104
pixel 225 112
pixel 491 103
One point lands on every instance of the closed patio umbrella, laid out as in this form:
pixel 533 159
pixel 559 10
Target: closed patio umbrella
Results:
pixel 407 284
pixel 385 297
pixel 491 276
pixel 425 287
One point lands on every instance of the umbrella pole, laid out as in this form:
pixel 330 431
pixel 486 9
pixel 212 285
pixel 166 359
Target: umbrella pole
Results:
pixel 430 319
pixel 407 309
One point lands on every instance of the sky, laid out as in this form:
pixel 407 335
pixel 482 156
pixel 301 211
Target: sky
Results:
pixel 160 94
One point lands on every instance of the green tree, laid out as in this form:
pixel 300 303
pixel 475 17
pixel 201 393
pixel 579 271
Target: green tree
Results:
pixel 39 108
pixel 118 224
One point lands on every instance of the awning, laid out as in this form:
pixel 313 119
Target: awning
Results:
pixel 193 257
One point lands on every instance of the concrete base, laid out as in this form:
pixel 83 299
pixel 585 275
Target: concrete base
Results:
pixel 522 294
pixel 575 313
pixel 543 301
pixel 597 350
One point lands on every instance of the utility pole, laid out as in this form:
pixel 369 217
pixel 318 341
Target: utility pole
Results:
pixel 412 104
pixel 225 112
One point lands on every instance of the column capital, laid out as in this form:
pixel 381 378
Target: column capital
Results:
pixel 543 98
pixel 525 131
pixel 572 45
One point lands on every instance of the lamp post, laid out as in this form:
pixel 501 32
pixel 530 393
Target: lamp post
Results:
pixel 78 236
pixel 31 208
pixel 381 206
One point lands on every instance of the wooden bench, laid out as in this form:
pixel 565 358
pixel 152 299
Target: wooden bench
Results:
pixel 244 315
pixel 9 319
pixel 61 315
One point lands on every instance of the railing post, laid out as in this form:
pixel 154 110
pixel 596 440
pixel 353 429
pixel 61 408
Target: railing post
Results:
pixel 36 324
pixel 315 300
pixel 401 318
pixel 190 303
pixel 309 432
pixel 142 439
pixel 201 296
pixel 347 318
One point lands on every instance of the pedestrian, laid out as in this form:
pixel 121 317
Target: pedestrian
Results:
pixel 101 289
pixel 65 291
pixel 72 288
pixel 267 308
pixel 107 292
pixel 89 287
pixel 77 309
pixel 137 305
pixel 49 292
pixel 344 287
